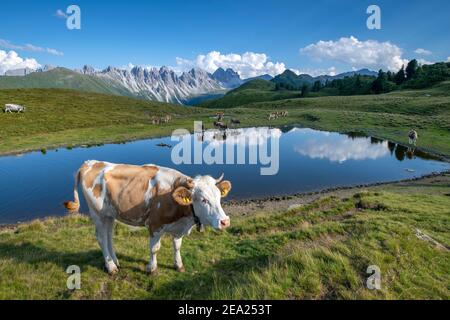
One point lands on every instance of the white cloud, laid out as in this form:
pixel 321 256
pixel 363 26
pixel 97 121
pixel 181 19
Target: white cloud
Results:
pixel 448 59
pixel 61 14
pixel 423 61
pixel 423 52
pixel 249 64
pixel 358 54
pixel 332 71
pixel 339 148
pixel 128 66
pixel 11 61
pixel 28 47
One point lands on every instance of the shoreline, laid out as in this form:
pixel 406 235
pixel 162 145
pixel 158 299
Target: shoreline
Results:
pixel 441 156
pixel 252 204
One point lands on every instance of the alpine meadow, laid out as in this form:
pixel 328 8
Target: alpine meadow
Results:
pixel 98 203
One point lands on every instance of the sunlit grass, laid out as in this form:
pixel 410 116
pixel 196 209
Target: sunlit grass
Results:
pixel 316 251
pixel 58 117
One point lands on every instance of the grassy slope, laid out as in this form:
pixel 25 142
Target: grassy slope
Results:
pixel 63 117
pixel 246 96
pixel 318 251
pixel 257 90
pixel 389 115
pixel 63 79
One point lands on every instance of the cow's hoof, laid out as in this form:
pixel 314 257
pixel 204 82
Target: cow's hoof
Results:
pixel 150 270
pixel 180 269
pixel 112 268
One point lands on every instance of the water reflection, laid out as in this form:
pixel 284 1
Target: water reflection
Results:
pixel 243 136
pixel 339 148
pixel 308 160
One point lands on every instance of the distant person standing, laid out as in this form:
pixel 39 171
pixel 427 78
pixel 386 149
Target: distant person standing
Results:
pixel 412 135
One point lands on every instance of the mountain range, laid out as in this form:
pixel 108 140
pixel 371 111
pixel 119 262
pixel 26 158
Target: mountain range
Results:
pixel 290 78
pixel 160 84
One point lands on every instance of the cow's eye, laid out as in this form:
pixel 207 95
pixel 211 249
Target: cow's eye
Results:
pixel 205 201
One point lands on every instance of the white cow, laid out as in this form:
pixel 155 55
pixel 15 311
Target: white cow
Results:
pixel 9 107
pixel 161 199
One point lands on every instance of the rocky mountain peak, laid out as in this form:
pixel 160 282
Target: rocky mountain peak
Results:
pixel 161 84
pixel 228 78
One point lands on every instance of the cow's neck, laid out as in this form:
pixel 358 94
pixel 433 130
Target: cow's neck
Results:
pixel 198 224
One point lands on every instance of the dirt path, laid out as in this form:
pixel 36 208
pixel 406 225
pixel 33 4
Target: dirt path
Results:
pixel 435 183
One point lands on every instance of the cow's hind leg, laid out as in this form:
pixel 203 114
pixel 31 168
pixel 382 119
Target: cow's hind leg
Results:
pixel 110 230
pixel 177 255
pixel 155 245
pixel 101 231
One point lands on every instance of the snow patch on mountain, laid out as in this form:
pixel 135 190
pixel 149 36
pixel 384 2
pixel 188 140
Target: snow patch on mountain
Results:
pixel 161 84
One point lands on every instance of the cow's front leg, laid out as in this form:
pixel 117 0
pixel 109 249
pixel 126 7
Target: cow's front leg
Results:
pixel 155 244
pixel 177 255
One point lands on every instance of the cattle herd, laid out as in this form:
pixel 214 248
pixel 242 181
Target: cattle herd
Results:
pixel 277 114
pixel 160 120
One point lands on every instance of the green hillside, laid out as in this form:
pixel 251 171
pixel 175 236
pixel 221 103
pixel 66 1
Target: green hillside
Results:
pixel 61 78
pixel 257 84
pixel 58 117
pixel 388 116
pixel 288 79
pixel 252 91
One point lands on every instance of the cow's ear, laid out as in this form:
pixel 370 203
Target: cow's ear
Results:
pixel 224 187
pixel 182 196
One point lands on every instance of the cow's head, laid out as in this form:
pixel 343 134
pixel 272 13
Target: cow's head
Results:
pixel 205 193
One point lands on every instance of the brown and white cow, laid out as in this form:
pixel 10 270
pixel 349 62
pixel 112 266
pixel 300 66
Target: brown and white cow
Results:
pixel 161 199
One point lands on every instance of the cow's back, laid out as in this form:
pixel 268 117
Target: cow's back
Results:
pixel 135 195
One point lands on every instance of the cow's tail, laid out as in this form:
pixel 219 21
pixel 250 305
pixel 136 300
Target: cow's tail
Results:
pixel 74 206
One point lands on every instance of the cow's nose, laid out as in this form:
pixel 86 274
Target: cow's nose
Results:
pixel 225 223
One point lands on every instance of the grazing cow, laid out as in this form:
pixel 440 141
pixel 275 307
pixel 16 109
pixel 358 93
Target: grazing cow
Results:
pixel 235 121
pixel 166 119
pixel 156 120
pixel 272 116
pixel 220 125
pixel 14 108
pixel 413 136
pixel 220 116
pixel 161 199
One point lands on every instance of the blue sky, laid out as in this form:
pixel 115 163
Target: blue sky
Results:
pixel 156 32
